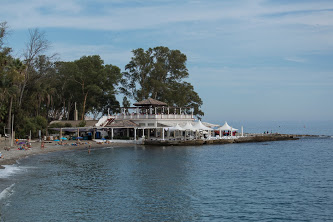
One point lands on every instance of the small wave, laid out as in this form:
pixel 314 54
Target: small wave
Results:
pixel 7 192
pixel 10 170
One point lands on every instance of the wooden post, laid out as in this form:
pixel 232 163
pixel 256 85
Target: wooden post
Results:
pixel 12 133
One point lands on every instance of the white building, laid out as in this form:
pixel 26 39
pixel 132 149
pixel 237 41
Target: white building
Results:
pixel 149 117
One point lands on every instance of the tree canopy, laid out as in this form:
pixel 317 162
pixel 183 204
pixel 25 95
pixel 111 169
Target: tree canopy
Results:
pixel 159 73
pixel 36 88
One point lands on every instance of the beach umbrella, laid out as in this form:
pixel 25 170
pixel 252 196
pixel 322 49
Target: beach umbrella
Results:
pixel 64 138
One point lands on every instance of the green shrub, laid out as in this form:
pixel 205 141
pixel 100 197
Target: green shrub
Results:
pixel 82 124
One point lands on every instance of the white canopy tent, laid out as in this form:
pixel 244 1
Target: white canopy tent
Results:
pixel 188 126
pixel 226 127
pixel 200 126
pixel 174 128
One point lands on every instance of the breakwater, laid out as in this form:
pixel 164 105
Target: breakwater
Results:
pixel 247 139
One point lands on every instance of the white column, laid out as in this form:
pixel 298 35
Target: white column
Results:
pixel 168 134
pixel 112 133
pixel 242 131
pixel 134 133
pixel 162 133
pixel 220 133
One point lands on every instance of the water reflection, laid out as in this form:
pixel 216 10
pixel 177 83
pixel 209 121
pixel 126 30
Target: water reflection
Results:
pixel 289 180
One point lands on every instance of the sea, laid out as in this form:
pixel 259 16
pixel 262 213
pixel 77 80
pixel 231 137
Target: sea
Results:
pixel 267 181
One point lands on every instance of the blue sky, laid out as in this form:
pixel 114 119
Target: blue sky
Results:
pixel 247 59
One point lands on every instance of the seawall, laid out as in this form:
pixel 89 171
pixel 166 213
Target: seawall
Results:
pixel 247 139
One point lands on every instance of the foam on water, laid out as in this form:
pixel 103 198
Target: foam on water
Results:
pixel 11 170
pixel 7 192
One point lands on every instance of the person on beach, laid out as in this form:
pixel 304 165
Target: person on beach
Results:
pixel 1 155
pixel 42 145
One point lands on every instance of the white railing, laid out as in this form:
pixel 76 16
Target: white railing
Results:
pixel 153 116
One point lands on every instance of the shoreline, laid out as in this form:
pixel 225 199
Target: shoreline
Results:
pixel 13 155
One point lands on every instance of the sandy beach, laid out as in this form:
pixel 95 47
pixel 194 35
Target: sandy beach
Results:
pixel 10 156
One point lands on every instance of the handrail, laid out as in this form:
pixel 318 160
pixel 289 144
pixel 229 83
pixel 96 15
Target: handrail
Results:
pixel 153 116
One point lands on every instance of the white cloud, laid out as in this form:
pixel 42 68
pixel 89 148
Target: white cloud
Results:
pixel 70 14
pixel 295 59
pixel 108 53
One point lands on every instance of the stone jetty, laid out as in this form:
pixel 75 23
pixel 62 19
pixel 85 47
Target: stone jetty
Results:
pixel 247 139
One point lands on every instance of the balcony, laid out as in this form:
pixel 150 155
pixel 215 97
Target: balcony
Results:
pixel 134 116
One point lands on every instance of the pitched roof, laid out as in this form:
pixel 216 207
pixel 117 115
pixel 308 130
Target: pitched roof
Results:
pixel 122 123
pixel 150 102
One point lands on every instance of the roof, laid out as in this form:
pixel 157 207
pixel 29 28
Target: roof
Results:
pixel 74 123
pixel 150 102
pixel 122 123
pixel 227 127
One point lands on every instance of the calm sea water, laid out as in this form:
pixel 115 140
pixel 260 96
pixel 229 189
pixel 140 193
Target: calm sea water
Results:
pixel 271 181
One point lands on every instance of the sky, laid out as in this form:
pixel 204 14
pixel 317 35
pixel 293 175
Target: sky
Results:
pixel 247 59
